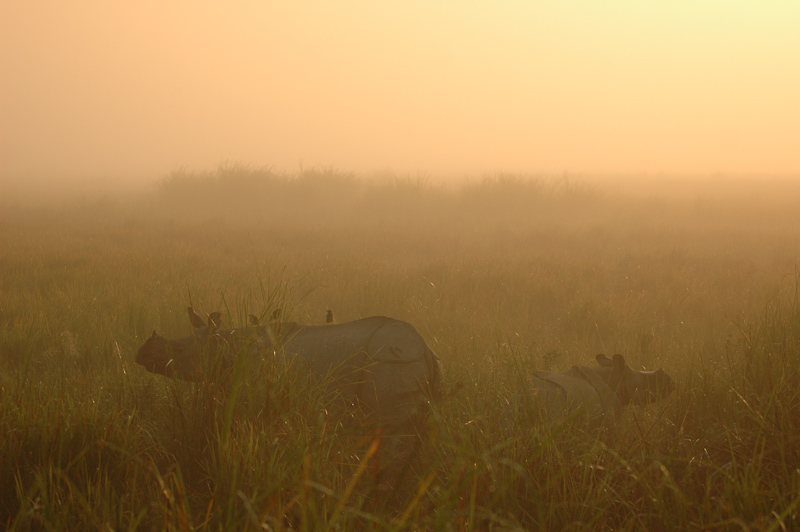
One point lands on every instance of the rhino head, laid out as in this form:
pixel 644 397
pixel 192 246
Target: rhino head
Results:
pixel 192 358
pixel 633 386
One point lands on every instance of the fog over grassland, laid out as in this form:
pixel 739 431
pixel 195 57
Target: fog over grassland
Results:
pixel 527 185
pixel 501 275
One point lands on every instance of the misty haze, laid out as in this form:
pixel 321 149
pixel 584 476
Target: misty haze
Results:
pixel 411 267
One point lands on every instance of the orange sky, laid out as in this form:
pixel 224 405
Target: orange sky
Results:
pixel 120 90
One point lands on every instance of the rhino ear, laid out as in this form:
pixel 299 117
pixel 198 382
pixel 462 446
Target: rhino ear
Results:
pixel 215 320
pixel 195 318
pixel 604 361
pixel 619 362
pixel 253 320
pixel 154 334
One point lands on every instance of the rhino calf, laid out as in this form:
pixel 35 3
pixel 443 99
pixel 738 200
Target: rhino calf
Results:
pixel 597 393
pixel 381 364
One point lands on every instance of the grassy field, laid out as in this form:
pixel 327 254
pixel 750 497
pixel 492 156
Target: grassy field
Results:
pixel 500 276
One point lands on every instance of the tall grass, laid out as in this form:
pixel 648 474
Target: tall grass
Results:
pixel 500 276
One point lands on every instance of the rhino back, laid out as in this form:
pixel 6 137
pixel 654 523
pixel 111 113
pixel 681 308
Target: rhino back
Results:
pixel 554 397
pixel 385 339
pixel 329 348
pixel 574 392
pixel 383 362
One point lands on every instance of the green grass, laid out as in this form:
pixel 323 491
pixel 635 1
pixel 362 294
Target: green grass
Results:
pixel 499 275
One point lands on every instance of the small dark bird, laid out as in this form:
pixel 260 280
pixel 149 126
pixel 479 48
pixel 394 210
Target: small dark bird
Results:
pixel 329 316
pixel 195 318
pixel 215 320
pixel 253 319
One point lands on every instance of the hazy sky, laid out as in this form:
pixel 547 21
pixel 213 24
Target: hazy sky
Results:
pixel 136 89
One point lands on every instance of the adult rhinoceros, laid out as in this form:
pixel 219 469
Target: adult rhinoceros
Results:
pixel 380 363
pixel 598 393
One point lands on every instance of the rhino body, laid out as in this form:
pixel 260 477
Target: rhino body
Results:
pixel 596 394
pixel 381 364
